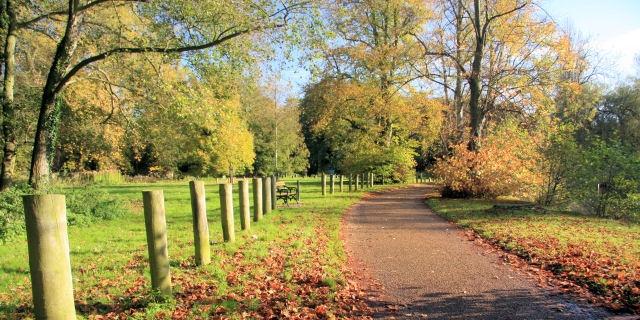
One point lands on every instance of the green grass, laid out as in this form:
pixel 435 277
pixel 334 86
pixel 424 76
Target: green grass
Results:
pixel 602 255
pixel 109 258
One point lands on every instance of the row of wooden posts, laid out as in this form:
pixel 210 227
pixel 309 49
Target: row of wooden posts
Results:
pixel 355 182
pixel 48 243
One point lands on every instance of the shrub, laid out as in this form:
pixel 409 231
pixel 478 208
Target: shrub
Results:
pixel 84 205
pixel 605 180
pixel 12 211
pixel 505 164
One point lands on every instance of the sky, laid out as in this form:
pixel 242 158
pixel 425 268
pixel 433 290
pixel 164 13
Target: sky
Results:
pixel 612 28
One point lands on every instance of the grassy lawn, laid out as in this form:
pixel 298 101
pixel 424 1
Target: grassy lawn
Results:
pixel 601 255
pixel 289 263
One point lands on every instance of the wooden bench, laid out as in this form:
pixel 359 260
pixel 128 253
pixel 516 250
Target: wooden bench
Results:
pixel 286 193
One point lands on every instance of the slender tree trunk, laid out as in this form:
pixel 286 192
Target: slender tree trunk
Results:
pixel 457 94
pixel 474 82
pixel 8 123
pixel 39 173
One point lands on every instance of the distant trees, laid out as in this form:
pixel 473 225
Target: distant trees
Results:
pixel 363 111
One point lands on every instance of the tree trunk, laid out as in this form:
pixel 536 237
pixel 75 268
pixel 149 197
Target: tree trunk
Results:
pixel 474 82
pixel 39 173
pixel 8 123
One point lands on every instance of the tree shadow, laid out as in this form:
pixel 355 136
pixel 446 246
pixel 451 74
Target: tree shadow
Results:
pixel 492 304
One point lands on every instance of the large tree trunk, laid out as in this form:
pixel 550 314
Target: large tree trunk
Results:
pixel 8 118
pixel 39 173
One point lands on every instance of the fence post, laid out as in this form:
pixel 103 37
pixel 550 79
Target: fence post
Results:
pixel 266 195
pixel 341 182
pixel 298 188
pixel 156 226
pixel 49 262
pixel 245 210
pixel 350 182
pixel 226 209
pixel 362 182
pixel 323 181
pixel 273 191
pixel 257 199
pixel 331 183
pixel 200 224
pixel 372 179
pixel 357 181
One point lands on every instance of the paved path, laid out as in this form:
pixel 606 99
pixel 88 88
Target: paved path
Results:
pixel 429 270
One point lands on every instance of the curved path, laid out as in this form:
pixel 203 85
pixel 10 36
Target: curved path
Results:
pixel 427 269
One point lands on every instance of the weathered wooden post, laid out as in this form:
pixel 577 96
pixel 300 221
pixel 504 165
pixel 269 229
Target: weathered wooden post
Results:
pixel 266 195
pixel 226 210
pixel 323 181
pixel 274 187
pixel 350 182
pixel 357 181
pixel 362 182
pixel 341 182
pixel 257 199
pixel 373 176
pixel 156 226
pixel 331 183
pixel 49 263
pixel 245 210
pixel 200 224
pixel 299 191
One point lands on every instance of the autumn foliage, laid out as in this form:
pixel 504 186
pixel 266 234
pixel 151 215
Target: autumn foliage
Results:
pixel 505 164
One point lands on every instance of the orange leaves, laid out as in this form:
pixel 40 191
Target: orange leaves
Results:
pixel 506 164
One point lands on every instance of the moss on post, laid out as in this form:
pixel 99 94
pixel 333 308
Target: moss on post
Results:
pixel 266 195
pixel 245 210
pixel 274 186
pixel 156 226
pixel 257 199
pixel 49 263
pixel 200 224
pixel 226 210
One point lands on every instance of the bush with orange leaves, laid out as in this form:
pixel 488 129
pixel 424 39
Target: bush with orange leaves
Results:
pixel 506 164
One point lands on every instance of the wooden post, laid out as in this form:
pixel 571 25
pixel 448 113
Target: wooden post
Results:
pixel 226 209
pixel 357 181
pixel 299 191
pixel 331 183
pixel 274 186
pixel 200 224
pixel 362 182
pixel 323 181
pixel 373 176
pixel 49 263
pixel 245 210
pixel 266 195
pixel 341 182
pixel 156 226
pixel 350 182
pixel 257 199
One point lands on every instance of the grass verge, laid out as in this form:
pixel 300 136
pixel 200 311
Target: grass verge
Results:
pixel 599 255
pixel 288 264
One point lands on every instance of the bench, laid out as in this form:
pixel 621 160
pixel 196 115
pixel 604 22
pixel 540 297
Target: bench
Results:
pixel 286 193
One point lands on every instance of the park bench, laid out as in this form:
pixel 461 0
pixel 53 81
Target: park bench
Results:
pixel 286 193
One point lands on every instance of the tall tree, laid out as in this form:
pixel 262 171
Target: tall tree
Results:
pixel 179 28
